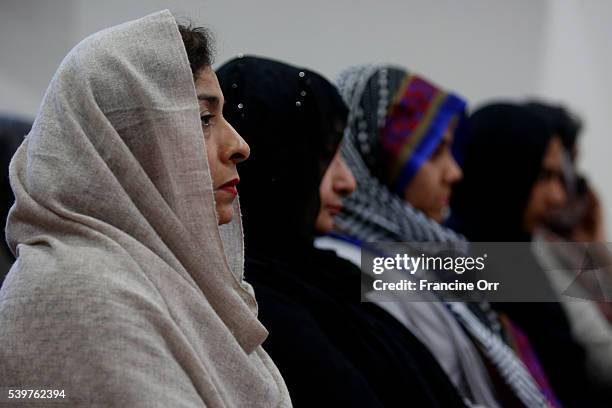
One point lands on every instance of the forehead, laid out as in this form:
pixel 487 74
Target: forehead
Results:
pixel 206 83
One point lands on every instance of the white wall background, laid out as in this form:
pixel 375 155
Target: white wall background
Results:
pixel 483 49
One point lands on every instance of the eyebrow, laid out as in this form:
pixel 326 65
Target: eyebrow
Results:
pixel 211 99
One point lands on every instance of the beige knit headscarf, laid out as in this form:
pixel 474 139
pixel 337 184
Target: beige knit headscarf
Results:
pixel 125 291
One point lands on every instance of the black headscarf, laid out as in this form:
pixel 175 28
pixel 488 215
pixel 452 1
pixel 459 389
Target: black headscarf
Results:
pixel 331 349
pixel 502 161
pixel 292 119
pixel 563 122
pixel 12 132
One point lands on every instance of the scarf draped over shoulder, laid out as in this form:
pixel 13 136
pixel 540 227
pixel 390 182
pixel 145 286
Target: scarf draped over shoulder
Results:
pixel 125 291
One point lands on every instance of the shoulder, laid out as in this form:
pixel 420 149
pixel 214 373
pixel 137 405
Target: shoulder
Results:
pixel 59 274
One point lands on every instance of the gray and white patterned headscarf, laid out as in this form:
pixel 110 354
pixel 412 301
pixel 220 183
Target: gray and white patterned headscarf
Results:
pixel 373 212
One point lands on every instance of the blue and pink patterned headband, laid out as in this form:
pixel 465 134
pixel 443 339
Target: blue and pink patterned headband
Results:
pixel 416 122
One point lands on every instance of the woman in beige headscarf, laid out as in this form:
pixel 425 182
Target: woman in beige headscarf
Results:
pixel 126 292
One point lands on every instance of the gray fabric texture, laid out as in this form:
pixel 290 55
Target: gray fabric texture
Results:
pixel 125 291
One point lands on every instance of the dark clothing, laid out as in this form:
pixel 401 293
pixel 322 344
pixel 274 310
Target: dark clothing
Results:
pixel 504 151
pixel 12 132
pixel 330 347
pixel 292 119
pixel 503 154
pixel 562 357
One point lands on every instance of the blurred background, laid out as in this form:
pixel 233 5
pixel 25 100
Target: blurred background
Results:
pixel 483 49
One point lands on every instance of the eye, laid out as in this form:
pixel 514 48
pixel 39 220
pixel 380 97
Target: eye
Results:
pixel 206 119
pixel 550 174
pixel 439 150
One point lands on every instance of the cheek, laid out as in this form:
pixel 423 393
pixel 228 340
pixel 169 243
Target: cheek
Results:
pixel 421 190
pixel 213 161
pixel 325 193
pixel 534 205
pixel 537 197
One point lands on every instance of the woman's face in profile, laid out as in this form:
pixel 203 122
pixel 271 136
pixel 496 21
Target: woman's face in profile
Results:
pixel 548 194
pixel 430 189
pixel 224 146
pixel 337 183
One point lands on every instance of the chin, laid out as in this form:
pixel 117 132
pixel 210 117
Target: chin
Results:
pixel 324 225
pixel 225 215
pixel 438 216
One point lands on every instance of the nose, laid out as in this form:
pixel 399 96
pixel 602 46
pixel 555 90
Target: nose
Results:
pixel 344 183
pixel 237 150
pixel 557 194
pixel 453 172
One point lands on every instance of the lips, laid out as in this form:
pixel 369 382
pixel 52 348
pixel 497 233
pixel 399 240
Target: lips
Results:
pixel 230 187
pixel 334 209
